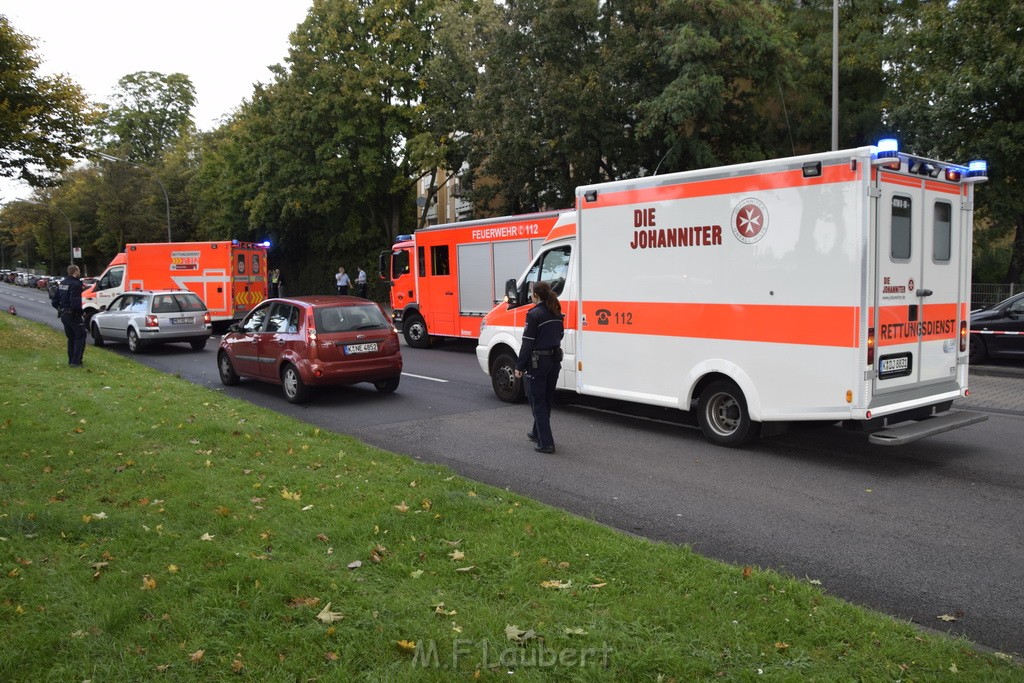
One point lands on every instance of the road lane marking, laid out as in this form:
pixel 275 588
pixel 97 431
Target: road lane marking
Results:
pixel 429 379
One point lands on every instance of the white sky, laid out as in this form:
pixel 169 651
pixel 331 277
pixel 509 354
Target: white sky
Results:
pixel 224 46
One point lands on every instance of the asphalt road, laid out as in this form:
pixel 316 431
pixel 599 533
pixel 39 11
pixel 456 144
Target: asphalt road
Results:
pixel 933 528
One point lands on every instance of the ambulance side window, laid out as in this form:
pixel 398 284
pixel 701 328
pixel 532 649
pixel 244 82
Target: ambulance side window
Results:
pixel 551 267
pixel 439 260
pixel 899 240
pixel 942 232
pixel 111 279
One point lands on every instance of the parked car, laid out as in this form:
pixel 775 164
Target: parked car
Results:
pixel 153 317
pixel 310 341
pixel 998 331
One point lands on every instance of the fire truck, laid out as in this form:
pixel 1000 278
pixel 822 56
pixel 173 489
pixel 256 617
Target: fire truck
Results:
pixel 445 278
pixel 832 287
pixel 229 276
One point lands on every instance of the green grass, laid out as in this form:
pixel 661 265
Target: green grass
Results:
pixel 112 476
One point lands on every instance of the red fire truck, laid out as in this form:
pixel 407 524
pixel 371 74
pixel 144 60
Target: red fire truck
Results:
pixel 445 278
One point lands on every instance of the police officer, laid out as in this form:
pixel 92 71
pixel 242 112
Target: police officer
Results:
pixel 67 299
pixel 540 358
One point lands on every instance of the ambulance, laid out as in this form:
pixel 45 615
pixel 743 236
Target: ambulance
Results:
pixel 445 278
pixel 229 276
pixel 832 287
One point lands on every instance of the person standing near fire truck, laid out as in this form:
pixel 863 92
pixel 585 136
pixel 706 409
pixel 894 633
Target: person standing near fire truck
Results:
pixel 342 280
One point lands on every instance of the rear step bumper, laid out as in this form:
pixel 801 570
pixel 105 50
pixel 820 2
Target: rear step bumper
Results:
pixel 905 432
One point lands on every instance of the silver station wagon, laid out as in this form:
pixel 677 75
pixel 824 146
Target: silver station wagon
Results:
pixel 143 318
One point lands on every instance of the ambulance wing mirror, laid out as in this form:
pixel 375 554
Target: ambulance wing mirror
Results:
pixel 511 293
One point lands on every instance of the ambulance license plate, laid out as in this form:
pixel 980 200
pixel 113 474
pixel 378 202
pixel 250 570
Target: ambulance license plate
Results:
pixel 182 321
pixel 894 366
pixel 360 348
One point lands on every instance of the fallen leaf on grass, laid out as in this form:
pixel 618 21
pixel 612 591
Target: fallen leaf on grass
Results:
pixel 457 555
pixel 517 635
pixel 355 565
pixel 323 538
pixel 197 656
pixel 781 647
pixel 288 495
pixel 148 584
pixel 466 569
pixel 416 574
pixel 574 631
pixel 439 609
pixel 814 582
pixel 402 507
pixel 331 656
pixel 597 585
pixel 206 537
pixel 407 645
pixel 237 666
pixel 556 583
pixel 747 571
pixel 329 617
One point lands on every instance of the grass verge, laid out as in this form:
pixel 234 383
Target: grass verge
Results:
pixel 153 528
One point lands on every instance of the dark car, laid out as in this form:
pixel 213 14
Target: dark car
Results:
pixel 310 341
pixel 998 331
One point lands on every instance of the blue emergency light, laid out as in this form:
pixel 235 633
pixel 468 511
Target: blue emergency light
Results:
pixel 977 171
pixel 886 149
pixel 403 238
pixel 265 243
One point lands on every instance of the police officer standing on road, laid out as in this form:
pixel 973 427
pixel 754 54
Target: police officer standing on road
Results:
pixel 540 358
pixel 67 299
pixel 361 282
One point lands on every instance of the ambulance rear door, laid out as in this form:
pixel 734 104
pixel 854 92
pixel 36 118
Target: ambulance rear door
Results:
pixel 918 280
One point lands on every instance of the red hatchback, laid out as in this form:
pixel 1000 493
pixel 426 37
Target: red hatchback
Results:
pixel 311 341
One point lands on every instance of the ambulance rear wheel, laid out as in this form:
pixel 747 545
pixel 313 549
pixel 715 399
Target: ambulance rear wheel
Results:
pixel 507 386
pixel 415 331
pixel 723 416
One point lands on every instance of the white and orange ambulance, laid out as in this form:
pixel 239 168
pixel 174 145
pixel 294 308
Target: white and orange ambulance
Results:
pixel 831 287
pixel 445 278
pixel 229 276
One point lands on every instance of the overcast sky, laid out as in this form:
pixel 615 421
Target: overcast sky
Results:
pixel 224 46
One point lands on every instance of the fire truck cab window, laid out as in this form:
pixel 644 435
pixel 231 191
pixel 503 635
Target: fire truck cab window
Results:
pixel 400 263
pixel 439 260
pixel 899 244
pixel 942 232
pixel 421 261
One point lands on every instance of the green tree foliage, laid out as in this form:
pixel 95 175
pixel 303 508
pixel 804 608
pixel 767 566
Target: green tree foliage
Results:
pixel 42 119
pixel 150 112
pixel 958 93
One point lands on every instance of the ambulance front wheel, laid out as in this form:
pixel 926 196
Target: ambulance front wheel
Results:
pixel 415 331
pixel 723 416
pixel 507 386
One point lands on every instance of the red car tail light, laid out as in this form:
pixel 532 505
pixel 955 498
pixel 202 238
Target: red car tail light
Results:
pixel 151 321
pixel 311 334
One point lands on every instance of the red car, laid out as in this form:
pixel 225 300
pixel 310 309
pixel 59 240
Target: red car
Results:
pixel 309 341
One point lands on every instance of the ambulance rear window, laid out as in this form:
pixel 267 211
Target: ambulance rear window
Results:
pixel 899 248
pixel 942 232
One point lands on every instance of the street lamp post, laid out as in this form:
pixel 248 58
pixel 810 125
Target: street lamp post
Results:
pixel 71 236
pixel 167 201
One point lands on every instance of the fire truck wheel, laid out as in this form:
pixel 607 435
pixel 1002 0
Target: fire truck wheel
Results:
pixel 415 331
pixel 388 386
pixel 723 416
pixel 228 376
pixel 97 338
pixel 134 343
pixel 978 352
pixel 295 390
pixel 507 386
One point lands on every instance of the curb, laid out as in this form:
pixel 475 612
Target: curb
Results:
pixel 996 371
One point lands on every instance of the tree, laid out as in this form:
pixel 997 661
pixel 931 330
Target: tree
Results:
pixel 957 92
pixel 150 112
pixel 42 119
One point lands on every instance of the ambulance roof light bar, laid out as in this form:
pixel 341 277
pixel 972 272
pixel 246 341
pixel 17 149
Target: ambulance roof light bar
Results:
pixel 403 238
pixel 886 151
pixel 977 171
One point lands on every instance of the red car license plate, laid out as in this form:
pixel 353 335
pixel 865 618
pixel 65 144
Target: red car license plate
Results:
pixel 360 348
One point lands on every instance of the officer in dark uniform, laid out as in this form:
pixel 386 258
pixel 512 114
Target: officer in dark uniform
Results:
pixel 540 358
pixel 67 299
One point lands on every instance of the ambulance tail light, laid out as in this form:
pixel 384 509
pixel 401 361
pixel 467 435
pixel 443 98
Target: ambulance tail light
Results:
pixel 151 321
pixel 963 336
pixel 977 171
pixel 871 346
